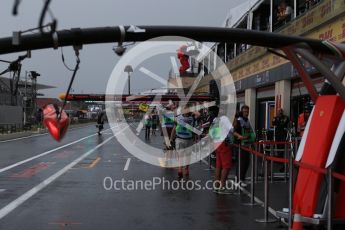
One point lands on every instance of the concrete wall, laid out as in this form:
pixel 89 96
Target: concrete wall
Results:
pixel 283 88
pixel 11 114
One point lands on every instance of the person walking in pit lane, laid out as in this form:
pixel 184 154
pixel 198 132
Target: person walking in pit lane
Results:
pixel 100 121
pixel 154 122
pixel 148 123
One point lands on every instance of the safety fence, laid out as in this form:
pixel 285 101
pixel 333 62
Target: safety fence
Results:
pixel 286 160
pixel 290 148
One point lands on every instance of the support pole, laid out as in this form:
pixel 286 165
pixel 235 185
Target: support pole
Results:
pixel 266 218
pixel 330 200
pixel 252 184
pixel 239 169
pixel 291 184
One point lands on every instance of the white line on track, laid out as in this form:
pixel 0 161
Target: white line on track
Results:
pixel 37 135
pixel 20 200
pixel 45 153
pixel 127 164
pixel 20 138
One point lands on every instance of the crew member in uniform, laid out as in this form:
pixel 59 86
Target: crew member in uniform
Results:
pixel 182 133
pixel 154 121
pixel 148 124
pixel 281 123
pixel 167 120
pixel 245 136
pixel 302 120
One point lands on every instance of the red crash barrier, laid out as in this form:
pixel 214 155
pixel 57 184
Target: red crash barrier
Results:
pixel 274 142
pixel 336 175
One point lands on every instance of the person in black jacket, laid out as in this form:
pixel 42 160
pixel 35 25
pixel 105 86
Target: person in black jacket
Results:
pixel 100 121
pixel 242 131
pixel 281 123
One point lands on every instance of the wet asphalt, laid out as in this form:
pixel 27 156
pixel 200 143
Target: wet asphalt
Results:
pixel 46 184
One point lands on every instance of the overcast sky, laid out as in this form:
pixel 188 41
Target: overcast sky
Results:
pixel 97 61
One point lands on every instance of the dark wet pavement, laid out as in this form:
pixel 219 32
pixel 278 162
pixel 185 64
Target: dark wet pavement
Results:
pixel 81 198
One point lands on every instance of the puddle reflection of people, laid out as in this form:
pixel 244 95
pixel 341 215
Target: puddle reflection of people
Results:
pixel 222 213
pixel 100 139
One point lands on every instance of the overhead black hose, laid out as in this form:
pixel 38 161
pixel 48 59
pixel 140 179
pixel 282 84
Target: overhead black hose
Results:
pixel 70 85
pixel 15 7
pixel 42 17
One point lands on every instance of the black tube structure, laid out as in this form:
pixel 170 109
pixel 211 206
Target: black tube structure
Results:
pixel 78 36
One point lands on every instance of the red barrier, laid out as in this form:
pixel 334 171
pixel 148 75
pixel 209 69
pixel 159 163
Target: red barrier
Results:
pixel 339 176
pixel 322 124
pixel 277 159
pixel 311 167
pixel 252 151
pixel 273 142
pixel 336 175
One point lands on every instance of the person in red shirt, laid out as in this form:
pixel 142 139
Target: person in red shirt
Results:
pixel 184 59
pixel 302 121
pixel 221 132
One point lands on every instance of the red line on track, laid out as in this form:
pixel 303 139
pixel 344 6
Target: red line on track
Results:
pixel 31 171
